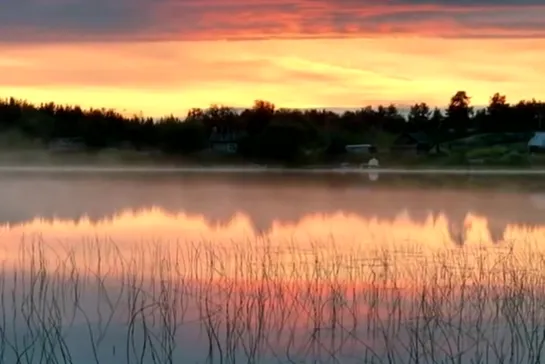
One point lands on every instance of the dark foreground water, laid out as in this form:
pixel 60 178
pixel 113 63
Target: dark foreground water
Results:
pixel 259 268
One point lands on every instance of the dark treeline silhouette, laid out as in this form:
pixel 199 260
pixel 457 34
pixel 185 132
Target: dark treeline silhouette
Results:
pixel 265 132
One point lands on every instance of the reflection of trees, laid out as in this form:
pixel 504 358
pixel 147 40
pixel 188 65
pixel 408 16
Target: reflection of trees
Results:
pixel 496 230
pixel 264 201
pixel 456 231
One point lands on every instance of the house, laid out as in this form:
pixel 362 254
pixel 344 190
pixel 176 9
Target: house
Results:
pixel 418 142
pixel 224 141
pixel 360 148
pixel 537 143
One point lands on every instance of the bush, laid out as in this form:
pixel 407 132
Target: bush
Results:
pixel 490 152
pixel 456 159
pixel 513 158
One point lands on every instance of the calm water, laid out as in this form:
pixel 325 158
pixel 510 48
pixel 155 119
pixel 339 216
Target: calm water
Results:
pixel 271 268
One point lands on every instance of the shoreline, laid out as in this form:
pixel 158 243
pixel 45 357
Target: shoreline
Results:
pixel 118 162
pixel 254 169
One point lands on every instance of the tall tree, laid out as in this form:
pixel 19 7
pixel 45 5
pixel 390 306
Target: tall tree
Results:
pixel 419 116
pixel 459 112
pixel 258 117
pixel 497 114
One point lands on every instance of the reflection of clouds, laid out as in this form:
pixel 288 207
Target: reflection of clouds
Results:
pixel 344 228
pixel 339 242
pixel 311 280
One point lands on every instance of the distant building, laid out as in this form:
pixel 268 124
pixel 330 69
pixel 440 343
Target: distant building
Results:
pixel 537 143
pixel 224 141
pixel 360 148
pixel 419 142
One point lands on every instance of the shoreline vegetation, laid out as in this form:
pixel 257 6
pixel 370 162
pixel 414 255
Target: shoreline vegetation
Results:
pixel 460 137
pixel 259 302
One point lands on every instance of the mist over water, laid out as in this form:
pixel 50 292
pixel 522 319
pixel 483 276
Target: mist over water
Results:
pixel 285 267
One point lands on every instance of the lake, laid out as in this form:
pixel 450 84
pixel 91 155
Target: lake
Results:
pixel 271 268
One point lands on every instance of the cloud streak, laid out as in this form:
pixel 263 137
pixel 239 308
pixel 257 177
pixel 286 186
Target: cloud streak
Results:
pixel 161 20
pixel 163 56
pixel 163 77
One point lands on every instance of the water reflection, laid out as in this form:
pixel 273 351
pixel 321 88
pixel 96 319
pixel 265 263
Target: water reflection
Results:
pixel 177 271
pixel 267 199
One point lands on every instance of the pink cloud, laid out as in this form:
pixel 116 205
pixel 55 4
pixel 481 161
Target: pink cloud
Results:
pixel 125 20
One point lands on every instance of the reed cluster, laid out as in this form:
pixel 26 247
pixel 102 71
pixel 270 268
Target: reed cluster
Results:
pixel 194 302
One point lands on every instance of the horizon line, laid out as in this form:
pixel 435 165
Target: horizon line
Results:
pixel 402 108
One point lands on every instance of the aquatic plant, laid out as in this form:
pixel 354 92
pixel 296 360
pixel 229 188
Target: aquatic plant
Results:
pixel 255 302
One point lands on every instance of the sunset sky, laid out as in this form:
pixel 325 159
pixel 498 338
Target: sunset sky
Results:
pixel 165 56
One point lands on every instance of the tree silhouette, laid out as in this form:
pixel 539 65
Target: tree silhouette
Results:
pixel 258 117
pixel 459 112
pixel 264 132
pixel 419 117
pixel 498 111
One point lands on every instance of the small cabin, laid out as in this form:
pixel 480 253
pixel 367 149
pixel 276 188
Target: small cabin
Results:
pixel 224 141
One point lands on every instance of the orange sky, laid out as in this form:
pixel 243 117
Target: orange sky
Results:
pixel 166 56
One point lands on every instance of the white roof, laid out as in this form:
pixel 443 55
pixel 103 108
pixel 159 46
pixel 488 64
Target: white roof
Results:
pixel 359 145
pixel 538 140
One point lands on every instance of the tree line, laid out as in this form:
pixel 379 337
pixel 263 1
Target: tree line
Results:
pixel 264 131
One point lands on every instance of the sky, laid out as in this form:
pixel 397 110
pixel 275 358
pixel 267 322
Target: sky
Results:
pixel 159 57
